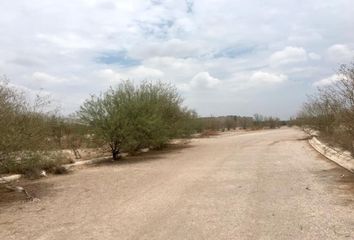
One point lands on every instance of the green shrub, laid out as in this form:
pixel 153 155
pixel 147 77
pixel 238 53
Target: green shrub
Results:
pixel 131 117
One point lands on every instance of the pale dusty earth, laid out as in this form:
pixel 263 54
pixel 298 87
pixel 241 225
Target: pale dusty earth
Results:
pixel 260 185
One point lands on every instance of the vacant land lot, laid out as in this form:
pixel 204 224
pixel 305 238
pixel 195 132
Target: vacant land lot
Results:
pixel 260 185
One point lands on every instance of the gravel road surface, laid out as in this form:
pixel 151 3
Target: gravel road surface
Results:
pixel 259 185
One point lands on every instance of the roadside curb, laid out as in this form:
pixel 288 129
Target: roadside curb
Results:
pixel 10 178
pixel 86 162
pixel 15 177
pixel 69 166
pixel 342 158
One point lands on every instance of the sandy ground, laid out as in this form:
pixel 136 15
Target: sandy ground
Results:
pixel 260 185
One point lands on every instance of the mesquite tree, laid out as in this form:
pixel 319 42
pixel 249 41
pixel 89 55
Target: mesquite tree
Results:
pixel 130 117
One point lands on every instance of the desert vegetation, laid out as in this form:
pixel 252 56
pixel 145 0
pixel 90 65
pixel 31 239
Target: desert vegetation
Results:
pixel 30 133
pixel 331 110
pixel 125 118
pixel 131 117
pixel 233 122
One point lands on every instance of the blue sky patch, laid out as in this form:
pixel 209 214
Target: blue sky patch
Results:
pixel 120 58
pixel 233 52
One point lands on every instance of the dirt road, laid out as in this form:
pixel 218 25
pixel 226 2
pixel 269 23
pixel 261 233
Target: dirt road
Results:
pixel 260 185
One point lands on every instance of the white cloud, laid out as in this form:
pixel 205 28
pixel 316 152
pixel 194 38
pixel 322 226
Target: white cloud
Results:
pixel 261 77
pixel 176 42
pixel 67 41
pixel 28 91
pixel 314 56
pixel 170 48
pixel 44 78
pixel 143 72
pixel 329 80
pixel 178 70
pixel 340 53
pixel 204 79
pixel 136 74
pixel 110 76
pixel 288 55
pixel 201 81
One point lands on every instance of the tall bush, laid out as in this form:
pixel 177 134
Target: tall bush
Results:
pixel 130 117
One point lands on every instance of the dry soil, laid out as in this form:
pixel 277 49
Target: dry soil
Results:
pixel 260 185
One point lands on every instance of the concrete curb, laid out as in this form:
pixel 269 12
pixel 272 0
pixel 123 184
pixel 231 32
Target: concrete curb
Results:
pixel 67 166
pixel 342 158
pixel 10 178
pixel 86 162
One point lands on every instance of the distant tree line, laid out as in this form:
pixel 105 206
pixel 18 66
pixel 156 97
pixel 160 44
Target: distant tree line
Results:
pixel 232 122
pixel 331 110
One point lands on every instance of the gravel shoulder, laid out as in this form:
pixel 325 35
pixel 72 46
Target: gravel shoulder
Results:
pixel 258 185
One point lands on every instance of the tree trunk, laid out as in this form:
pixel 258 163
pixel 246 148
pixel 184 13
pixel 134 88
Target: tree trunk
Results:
pixel 76 153
pixel 115 150
pixel 115 154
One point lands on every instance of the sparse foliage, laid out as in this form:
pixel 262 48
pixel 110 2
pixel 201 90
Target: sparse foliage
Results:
pixel 331 110
pixel 233 122
pixel 26 132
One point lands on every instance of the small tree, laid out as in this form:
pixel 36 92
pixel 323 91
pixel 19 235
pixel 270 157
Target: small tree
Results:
pixel 103 115
pixel 131 117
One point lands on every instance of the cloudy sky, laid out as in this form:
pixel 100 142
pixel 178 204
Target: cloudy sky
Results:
pixel 224 56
